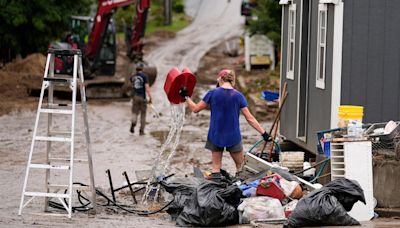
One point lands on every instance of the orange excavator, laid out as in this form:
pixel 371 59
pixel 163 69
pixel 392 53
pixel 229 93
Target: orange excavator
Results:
pixel 96 37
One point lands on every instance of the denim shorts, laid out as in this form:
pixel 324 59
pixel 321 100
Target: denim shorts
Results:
pixel 233 149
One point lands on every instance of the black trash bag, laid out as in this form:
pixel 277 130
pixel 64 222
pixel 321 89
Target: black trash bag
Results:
pixel 328 205
pixel 200 202
pixel 347 192
pixel 182 189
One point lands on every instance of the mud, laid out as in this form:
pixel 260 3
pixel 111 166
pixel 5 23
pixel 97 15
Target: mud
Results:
pixel 113 147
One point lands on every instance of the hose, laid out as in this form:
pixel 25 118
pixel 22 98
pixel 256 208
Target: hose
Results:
pixel 84 206
pixel 278 147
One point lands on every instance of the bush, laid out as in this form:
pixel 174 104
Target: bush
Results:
pixel 178 6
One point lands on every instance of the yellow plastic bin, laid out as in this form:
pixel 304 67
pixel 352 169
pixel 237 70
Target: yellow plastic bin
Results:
pixel 350 112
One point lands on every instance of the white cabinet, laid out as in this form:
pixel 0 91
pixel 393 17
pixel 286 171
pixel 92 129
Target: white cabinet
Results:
pixel 353 160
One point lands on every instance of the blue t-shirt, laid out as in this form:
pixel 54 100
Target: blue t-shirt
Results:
pixel 225 105
pixel 138 84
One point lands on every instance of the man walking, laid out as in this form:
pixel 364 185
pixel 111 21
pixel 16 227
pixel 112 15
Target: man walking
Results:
pixel 140 87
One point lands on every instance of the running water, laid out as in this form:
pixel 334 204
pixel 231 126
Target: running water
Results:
pixel 168 149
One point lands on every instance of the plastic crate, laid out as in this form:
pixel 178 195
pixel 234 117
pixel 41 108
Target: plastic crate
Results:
pixel 269 95
pixel 385 138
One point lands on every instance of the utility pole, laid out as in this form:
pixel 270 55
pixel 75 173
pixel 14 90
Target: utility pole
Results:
pixel 167 12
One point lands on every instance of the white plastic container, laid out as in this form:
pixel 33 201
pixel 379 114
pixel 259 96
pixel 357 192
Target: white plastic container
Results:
pixel 310 172
pixel 354 129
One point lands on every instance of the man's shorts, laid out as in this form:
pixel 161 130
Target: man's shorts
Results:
pixel 233 149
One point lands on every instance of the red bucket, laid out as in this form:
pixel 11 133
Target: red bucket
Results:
pixel 175 81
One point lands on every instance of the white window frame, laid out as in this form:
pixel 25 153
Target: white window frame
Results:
pixel 322 34
pixel 291 40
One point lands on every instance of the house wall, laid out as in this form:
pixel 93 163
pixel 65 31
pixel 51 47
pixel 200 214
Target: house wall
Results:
pixel 289 110
pixel 319 104
pixel 318 100
pixel 371 58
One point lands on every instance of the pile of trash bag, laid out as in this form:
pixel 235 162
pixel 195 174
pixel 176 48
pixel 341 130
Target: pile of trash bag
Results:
pixel 200 202
pixel 328 205
pixel 262 207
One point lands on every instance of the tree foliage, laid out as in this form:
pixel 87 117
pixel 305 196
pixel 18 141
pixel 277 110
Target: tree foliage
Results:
pixel 269 15
pixel 28 26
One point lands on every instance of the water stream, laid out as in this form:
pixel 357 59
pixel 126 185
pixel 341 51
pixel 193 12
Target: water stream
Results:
pixel 167 151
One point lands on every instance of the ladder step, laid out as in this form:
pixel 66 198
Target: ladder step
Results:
pixel 45 166
pixel 46 194
pixel 65 52
pixel 64 186
pixel 56 111
pixel 49 214
pixel 53 139
pixel 68 133
pixel 58 80
pixel 52 105
pixel 67 160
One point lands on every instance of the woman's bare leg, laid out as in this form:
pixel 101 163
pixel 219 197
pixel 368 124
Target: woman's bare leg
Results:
pixel 216 161
pixel 238 159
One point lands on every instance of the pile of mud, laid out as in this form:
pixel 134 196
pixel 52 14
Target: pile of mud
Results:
pixel 16 77
pixel 32 64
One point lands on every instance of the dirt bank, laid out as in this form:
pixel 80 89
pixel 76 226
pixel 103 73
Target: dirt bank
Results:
pixel 15 78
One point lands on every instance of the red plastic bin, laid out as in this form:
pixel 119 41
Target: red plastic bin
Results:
pixel 269 186
pixel 175 81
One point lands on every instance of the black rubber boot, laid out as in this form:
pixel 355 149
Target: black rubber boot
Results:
pixel 216 177
pixel 132 130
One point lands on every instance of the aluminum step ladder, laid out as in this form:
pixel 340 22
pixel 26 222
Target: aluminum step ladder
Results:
pixel 51 109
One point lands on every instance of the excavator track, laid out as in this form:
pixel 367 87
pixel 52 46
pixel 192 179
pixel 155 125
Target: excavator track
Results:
pixel 100 87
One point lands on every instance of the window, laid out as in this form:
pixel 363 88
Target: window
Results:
pixel 321 47
pixel 291 42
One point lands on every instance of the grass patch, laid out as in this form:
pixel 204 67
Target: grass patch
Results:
pixel 179 21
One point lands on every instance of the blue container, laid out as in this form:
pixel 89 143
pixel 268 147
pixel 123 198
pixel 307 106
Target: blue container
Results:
pixel 269 95
pixel 327 149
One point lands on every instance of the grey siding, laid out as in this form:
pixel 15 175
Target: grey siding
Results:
pixel 319 101
pixel 371 58
pixel 288 115
pixel 319 106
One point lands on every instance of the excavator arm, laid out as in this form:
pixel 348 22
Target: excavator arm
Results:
pixel 105 10
pixel 135 47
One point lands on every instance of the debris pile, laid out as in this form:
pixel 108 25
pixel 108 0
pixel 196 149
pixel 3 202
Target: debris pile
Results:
pixel 271 198
pixel 16 77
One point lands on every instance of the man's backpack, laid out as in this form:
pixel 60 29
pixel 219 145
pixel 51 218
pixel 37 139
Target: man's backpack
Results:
pixel 137 83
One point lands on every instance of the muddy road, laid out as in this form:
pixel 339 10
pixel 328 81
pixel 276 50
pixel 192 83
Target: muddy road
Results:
pixel 113 147
pixel 215 22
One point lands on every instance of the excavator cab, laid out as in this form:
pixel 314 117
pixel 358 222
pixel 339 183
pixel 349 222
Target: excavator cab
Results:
pixel 81 27
pixel 78 38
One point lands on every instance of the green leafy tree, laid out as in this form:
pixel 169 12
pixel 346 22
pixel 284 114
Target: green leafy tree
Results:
pixel 268 13
pixel 28 26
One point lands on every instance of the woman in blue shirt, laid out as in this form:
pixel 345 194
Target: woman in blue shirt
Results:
pixel 226 104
